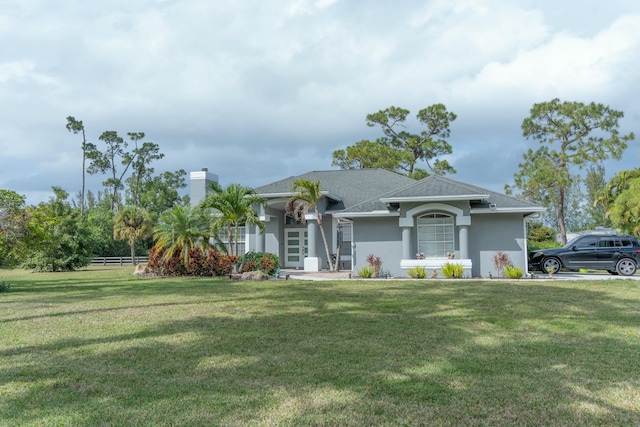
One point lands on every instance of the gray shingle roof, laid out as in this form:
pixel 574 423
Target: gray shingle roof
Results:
pixel 442 188
pixel 436 186
pixel 361 190
pixel 352 186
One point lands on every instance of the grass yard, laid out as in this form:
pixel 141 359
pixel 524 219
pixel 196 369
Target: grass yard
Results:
pixel 102 347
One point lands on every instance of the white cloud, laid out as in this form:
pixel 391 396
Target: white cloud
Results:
pixel 566 66
pixel 236 85
pixel 307 7
pixel 23 72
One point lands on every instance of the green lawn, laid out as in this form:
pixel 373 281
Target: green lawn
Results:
pixel 102 347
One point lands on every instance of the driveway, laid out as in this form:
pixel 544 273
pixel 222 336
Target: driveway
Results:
pixel 586 276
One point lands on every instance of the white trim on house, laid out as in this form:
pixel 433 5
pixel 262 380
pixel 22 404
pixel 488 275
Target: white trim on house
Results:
pixel 365 214
pixel 276 195
pixel 290 194
pixel 460 218
pixel 435 198
pixel 505 210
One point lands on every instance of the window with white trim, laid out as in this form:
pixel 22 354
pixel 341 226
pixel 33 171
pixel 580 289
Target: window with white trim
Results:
pixel 224 238
pixel 435 235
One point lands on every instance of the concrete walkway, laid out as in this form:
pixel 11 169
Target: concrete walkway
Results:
pixel 588 276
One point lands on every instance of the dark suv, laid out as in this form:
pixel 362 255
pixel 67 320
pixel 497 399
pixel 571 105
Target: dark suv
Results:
pixel 616 254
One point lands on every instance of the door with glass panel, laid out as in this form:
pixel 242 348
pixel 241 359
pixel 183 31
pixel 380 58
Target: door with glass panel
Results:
pixel 295 247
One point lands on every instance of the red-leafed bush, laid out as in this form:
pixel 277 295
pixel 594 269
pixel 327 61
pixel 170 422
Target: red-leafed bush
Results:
pixel 220 264
pixel 198 262
pixel 155 257
pixel 376 263
pixel 266 262
pixel 249 265
pixel 269 264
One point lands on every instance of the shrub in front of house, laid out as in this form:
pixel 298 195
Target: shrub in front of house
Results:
pixel 376 263
pixel 417 272
pixel 198 262
pixel 500 261
pixel 452 271
pixel 366 272
pixel 513 272
pixel 170 266
pixel 266 262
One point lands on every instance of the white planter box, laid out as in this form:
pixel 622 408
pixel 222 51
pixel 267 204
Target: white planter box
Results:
pixel 312 264
pixel 431 264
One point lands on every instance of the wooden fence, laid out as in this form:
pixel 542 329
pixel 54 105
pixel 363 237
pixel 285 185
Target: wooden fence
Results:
pixel 118 260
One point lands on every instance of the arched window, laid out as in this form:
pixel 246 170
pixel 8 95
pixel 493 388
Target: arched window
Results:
pixel 435 235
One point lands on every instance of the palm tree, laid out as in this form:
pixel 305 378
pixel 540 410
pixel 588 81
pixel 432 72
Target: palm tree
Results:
pixel 307 196
pixel 617 185
pixel 620 200
pixel 233 207
pixel 181 229
pixel 132 222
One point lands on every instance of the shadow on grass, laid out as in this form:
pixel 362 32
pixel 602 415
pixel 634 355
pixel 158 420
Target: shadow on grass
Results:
pixel 341 354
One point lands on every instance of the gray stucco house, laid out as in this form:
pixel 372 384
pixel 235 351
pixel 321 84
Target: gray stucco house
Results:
pixel 374 211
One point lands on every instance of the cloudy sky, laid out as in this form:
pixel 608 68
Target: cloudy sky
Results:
pixel 261 90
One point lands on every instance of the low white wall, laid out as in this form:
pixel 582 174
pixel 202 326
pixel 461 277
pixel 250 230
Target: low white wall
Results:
pixel 431 264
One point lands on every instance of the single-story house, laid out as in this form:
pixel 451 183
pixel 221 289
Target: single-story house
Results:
pixel 396 218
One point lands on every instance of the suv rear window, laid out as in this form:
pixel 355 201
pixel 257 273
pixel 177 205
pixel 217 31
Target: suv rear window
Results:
pixel 626 242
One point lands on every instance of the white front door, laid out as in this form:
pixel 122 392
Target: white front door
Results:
pixel 295 247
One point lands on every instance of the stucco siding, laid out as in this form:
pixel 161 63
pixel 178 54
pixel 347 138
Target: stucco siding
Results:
pixel 273 237
pixel 381 237
pixel 490 233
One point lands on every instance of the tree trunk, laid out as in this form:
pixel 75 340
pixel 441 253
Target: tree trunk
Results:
pixel 235 243
pixel 324 239
pixel 338 257
pixel 132 244
pixel 235 240
pixel 84 158
pixel 561 224
pixel 230 243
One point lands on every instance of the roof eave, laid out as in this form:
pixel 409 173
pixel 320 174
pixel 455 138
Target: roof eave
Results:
pixel 435 198
pixel 527 210
pixel 289 194
pixel 370 214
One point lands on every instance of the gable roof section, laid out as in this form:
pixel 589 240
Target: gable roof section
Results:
pixel 436 188
pixel 350 187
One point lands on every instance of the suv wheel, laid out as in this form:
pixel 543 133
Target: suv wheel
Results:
pixel 626 267
pixel 549 263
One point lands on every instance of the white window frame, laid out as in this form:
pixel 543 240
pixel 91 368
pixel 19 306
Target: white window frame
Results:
pixel 435 234
pixel 242 238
